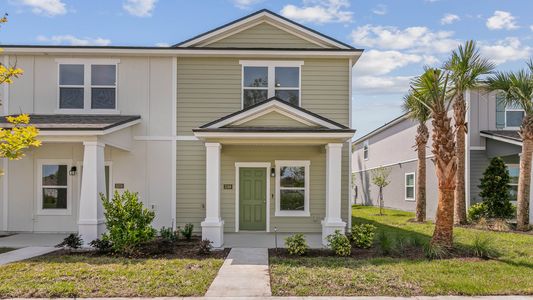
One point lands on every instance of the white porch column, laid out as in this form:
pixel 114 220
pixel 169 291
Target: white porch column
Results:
pixel 333 220
pixel 213 225
pixel 91 217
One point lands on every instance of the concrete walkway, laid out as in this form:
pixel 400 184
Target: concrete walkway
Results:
pixel 24 253
pixel 243 274
pixel 20 240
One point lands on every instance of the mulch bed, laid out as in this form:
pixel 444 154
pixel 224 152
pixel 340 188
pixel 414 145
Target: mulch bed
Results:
pixel 187 249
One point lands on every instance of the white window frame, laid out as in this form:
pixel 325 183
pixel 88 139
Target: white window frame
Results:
pixel 406 186
pixel 271 86
pixel 365 150
pixel 292 163
pixel 87 86
pixel 39 187
pixel 505 117
pixel 513 184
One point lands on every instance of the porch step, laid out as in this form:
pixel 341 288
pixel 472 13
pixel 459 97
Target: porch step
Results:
pixel 243 274
pixel 24 253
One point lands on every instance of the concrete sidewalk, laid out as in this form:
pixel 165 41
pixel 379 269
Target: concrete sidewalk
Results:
pixel 24 253
pixel 243 274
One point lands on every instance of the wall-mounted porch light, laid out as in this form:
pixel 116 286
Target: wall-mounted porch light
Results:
pixel 272 172
pixel 72 171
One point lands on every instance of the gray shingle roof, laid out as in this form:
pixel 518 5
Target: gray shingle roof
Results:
pixel 507 134
pixel 75 122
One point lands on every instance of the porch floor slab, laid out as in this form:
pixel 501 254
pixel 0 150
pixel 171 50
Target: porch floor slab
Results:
pixel 24 253
pixel 21 240
pixel 266 240
pixel 243 274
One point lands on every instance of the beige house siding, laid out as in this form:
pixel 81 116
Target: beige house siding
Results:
pixel 272 119
pixel 263 35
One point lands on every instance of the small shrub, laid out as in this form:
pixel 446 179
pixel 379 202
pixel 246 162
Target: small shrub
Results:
pixel 386 244
pixel 204 247
pixel 169 234
pixel 72 241
pixel 187 231
pixel 435 251
pixel 363 235
pixel 296 244
pixel 102 245
pixel 128 222
pixel 339 243
pixel 482 247
pixel 476 212
pixel 500 225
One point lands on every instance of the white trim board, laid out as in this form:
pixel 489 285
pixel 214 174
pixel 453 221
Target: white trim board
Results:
pixel 267 167
pixel 173 151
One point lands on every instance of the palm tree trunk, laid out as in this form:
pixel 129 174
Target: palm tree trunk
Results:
pixel 421 141
pixel 459 109
pixel 445 168
pixel 524 179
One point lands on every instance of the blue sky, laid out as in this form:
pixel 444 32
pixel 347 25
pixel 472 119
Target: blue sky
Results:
pixel 399 37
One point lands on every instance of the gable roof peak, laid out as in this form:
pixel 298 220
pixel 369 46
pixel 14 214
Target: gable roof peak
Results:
pixel 272 16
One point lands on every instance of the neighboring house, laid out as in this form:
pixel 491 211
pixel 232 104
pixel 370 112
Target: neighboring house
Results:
pixel 243 128
pixel 492 131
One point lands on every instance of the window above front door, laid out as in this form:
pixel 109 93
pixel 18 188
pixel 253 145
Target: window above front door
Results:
pixel 87 86
pixel 262 80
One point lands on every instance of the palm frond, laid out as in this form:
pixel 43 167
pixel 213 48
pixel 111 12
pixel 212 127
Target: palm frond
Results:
pixel 516 87
pixel 467 66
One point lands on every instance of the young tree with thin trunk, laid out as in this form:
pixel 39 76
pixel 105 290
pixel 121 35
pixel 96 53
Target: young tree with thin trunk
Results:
pixel 431 89
pixel 419 112
pixel 466 66
pixel 517 88
pixel 380 177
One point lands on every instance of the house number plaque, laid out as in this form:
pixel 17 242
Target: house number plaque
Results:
pixel 228 186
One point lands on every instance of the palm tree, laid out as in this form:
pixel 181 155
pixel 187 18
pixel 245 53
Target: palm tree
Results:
pixel 431 89
pixel 517 88
pixel 466 66
pixel 417 111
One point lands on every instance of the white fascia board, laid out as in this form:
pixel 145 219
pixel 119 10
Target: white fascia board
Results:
pixel 276 106
pixel 180 52
pixel 274 135
pixel 501 139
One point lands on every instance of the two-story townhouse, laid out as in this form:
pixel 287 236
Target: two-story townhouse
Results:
pixel 492 132
pixel 245 128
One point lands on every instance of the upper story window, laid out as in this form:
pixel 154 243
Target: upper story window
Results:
pixel 365 150
pixel 513 116
pixel 265 79
pixel 88 86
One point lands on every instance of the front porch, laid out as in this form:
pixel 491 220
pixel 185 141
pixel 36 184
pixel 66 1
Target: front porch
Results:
pixel 275 167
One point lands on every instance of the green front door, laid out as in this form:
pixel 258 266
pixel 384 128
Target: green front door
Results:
pixel 252 199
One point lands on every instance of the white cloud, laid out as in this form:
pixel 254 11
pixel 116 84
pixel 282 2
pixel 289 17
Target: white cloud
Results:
pixel 531 27
pixel 45 7
pixel 319 11
pixel 139 8
pixel 162 45
pixel 245 4
pixel 375 62
pixel 74 41
pixel 449 19
pixel 501 20
pixel 381 84
pixel 415 39
pixel 380 9
pixel 505 50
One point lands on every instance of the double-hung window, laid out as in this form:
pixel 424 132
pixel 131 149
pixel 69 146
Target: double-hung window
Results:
pixel 265 79
pixel 513 117
pixel 88 86
pixel 292 188
pixel 365 150
pixel 514 171
pixel 410 186
pixel 53 187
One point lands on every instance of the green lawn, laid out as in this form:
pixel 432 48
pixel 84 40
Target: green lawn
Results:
pixel 511 273
pixel 4 250
pixel 85 276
